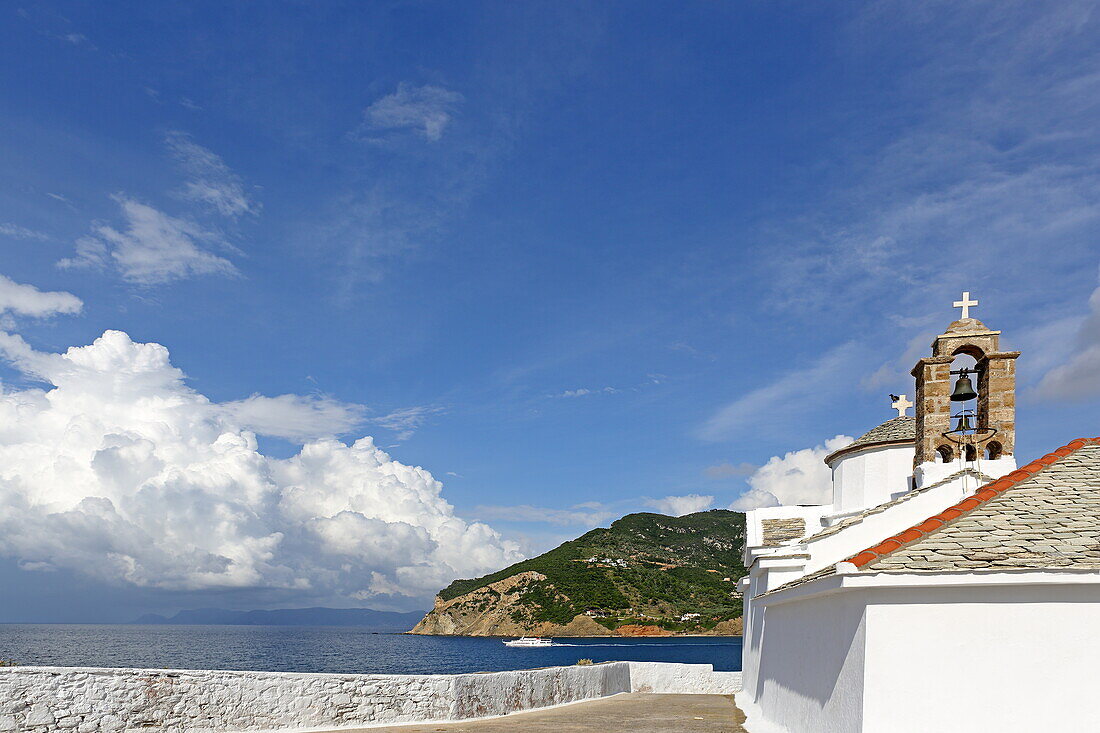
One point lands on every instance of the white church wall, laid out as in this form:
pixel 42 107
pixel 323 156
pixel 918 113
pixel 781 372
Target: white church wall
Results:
pixel 942 659
pixel 931 472
pixel 767 573
pixel 750 646
pixel 871 477
pixel 922 652
pixel 774 571
pixel 810 665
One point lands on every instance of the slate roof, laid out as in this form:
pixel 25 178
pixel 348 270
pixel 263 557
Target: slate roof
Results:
pixel 777 531
pixel 896 430
pixel 857 518
pixel 1044 515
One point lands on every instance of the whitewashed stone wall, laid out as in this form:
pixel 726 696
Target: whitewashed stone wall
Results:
pixel 682 679
pixel 47 699
pixel 500 693
pixel 86 700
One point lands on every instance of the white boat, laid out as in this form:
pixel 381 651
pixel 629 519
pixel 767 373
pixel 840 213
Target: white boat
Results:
pixel 529 641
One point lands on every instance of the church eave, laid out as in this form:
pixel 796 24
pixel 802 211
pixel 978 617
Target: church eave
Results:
pixel 832 582
pixel 857 447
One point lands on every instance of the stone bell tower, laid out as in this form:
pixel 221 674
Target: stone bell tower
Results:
pixel 996 371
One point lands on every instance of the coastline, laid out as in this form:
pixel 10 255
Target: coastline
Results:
pixel 604 637
pixel 443 621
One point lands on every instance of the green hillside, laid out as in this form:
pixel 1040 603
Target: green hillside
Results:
pixel 645 568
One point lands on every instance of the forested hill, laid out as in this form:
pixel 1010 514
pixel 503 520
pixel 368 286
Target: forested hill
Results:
pixel 645 570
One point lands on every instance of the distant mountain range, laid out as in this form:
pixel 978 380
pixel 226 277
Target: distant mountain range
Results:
pixel 375 620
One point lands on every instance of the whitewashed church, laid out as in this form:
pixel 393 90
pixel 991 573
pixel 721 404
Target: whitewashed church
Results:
pixel 944 589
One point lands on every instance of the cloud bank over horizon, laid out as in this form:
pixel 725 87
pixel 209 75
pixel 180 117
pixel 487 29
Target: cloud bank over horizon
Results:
pixel 121 471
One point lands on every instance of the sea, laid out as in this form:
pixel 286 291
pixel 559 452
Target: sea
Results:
pixel 336 649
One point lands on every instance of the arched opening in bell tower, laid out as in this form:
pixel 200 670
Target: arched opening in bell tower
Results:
pixel 964 401
pixel 966 358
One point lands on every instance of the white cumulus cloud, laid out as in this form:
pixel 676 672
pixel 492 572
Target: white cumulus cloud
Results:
pixel 678 506
pixel 119 470
pixel 799 477
pixel 152 248
pixel 427 109
pixel 27 300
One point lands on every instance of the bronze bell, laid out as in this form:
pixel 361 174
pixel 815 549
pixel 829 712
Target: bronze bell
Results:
pixel 964 390
pixel 964 422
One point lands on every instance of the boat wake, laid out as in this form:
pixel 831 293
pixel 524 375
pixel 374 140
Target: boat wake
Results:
pixel 627 643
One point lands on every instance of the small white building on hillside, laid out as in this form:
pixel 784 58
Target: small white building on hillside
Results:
pixel 943 589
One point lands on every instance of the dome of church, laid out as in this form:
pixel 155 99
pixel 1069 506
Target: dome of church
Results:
pixel 967 325
pixel 897 430
pixel 876 467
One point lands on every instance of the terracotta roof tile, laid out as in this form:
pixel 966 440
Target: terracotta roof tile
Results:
pixel 1044 514
pixel 861 516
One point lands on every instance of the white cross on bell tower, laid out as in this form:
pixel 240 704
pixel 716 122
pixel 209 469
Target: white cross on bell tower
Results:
pixel 966 304
pixel 900 404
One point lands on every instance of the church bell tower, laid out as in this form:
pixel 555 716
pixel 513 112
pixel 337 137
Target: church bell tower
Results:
pixel 996 394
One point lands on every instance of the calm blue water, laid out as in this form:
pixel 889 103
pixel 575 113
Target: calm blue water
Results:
pixel 330 649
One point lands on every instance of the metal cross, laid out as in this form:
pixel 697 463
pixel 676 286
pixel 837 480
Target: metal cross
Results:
pixel 965 304
pixel 900 404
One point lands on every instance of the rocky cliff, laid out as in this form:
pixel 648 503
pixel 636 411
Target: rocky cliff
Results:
pixel 493 611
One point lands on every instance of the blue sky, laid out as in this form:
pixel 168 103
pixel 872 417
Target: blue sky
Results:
pixel 573 259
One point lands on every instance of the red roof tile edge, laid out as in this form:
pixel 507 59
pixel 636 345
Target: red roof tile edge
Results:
pixel 984 494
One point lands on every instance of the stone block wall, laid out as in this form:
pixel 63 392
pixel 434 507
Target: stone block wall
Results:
pixel 777 531
pixel 997 398
pixel 933 403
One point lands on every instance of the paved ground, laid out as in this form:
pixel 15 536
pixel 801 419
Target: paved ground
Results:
pixel 630 713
